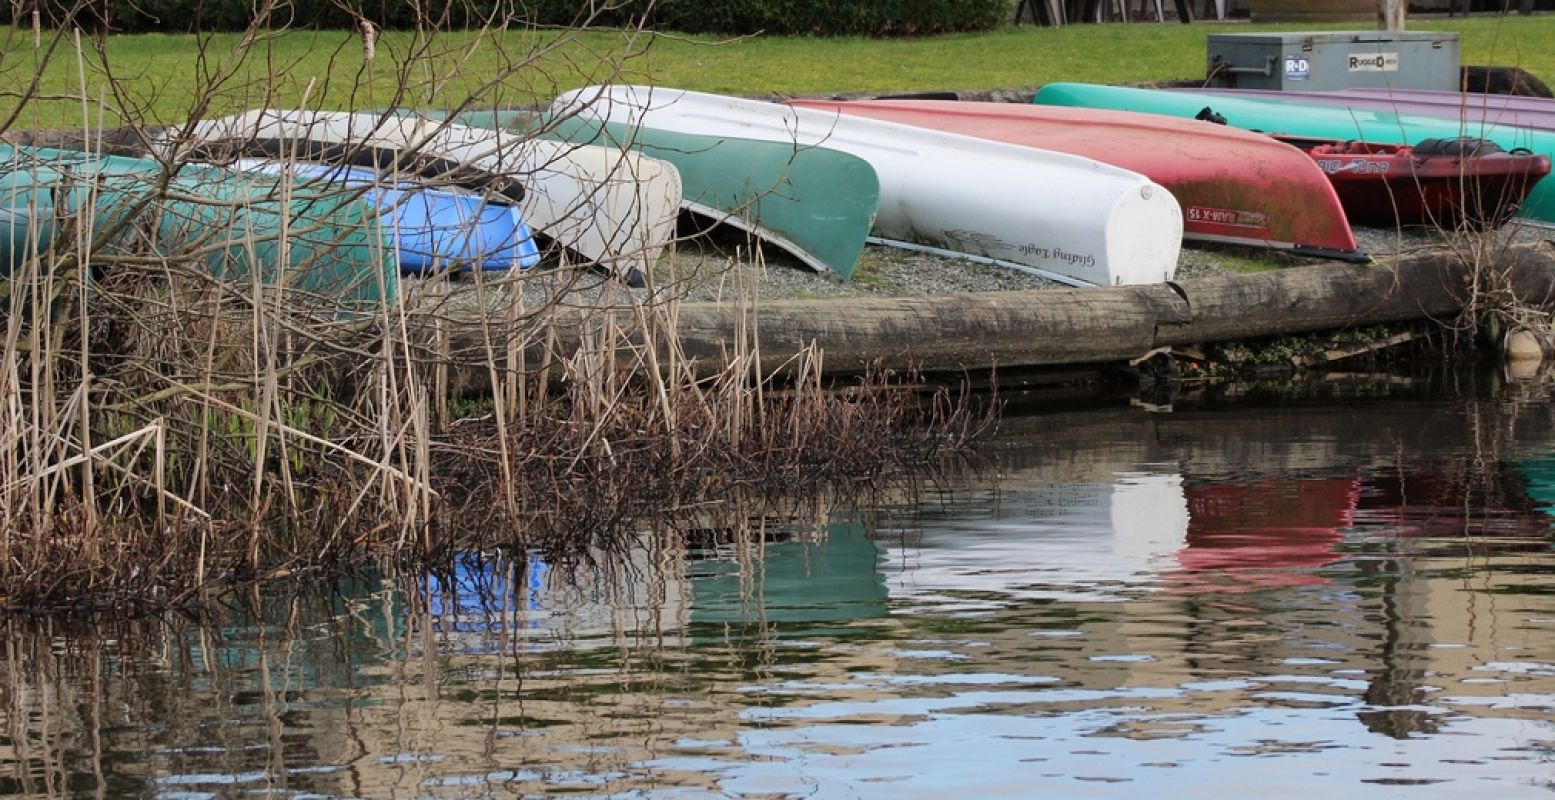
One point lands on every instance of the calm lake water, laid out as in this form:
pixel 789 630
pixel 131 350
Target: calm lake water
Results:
pixel 1340 598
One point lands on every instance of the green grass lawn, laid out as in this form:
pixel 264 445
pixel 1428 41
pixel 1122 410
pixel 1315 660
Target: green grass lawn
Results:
pixel 163 78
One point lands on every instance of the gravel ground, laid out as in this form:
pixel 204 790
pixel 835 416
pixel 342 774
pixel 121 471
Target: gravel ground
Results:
pixel 709 274
pixel 702 270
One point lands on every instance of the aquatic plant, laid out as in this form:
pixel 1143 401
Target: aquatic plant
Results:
pixel 186 406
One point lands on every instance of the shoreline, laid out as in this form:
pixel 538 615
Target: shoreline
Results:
pixel 699 269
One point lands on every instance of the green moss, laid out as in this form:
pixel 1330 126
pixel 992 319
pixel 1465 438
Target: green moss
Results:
pixel 1247 262
pixel 867 274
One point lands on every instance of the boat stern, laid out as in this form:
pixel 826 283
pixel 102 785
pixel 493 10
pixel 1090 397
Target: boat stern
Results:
pixel 1144 235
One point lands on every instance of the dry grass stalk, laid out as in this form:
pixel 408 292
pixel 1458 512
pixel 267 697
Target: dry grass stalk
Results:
pixel 180 413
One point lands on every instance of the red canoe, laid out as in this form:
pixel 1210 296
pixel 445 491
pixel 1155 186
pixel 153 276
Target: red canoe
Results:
pixel 1234 186
pixel 1442 182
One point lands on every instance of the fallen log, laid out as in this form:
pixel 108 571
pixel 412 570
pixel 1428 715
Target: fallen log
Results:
pixel 945 332
pixel 976 332
pixel 1430 284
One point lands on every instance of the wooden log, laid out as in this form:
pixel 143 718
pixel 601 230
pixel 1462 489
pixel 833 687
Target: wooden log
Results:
pixel 976 332
pixel 947 332
pixel 1428 284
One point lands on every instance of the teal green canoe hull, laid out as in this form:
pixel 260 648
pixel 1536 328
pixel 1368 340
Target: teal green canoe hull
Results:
pixel 1314 121
pixel 815 203
pixel 328 245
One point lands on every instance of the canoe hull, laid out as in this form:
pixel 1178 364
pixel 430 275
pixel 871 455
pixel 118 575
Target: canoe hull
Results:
pixel 613 209
pixel 1313 121
pixel 1391 185
pixel 1233 186
pixel 1065 215
pixel 336 253
pixel 432 229
pixel 815 203
pixel 1473 110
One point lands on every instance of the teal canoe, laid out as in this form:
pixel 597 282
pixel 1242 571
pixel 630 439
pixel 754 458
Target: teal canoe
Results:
pixel 335 247
pixel 1314 121
pixel 815 203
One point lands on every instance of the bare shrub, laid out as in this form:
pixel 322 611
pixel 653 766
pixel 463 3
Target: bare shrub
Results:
pixel 208 382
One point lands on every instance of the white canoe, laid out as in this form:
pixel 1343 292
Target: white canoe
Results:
pixel 1062 214
pixel 613 208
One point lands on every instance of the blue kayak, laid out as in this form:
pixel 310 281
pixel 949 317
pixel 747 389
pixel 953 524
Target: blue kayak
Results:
pixel 433 229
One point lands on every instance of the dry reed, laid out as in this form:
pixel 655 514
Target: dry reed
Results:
pixel 183 409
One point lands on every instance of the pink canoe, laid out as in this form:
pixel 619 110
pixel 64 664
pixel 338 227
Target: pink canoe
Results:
pixel 1473 110
pixel 1233 186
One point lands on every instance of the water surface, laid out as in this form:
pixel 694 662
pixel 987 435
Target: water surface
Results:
pixel 1288 600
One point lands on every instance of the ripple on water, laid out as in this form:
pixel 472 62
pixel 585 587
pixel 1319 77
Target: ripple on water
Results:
pixel 1285 599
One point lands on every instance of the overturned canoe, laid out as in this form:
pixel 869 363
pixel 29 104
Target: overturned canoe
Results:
pixel 1440 182
pixel 612 208
pixel 814 203
pixel 1233 186
pixel 335 254
pixel 1068 216
pixel 1472 109
pixel 1313 121
pixel 432 229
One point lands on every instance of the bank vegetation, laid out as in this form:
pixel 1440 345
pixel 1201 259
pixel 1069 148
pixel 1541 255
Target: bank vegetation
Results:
pixel 178 417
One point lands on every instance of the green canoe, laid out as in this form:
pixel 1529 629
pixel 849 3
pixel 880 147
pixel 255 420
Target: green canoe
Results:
pixel 1314 121
pixel 815 203
pixel 335 247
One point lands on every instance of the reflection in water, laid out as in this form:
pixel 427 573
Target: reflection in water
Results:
pixel 832 577
pixel 1357 601
pixel 1264 533
pixel 1043 540
pixel 488 602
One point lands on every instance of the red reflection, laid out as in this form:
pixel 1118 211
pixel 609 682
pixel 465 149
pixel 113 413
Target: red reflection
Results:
pixel 1264 534
pixel 1434 505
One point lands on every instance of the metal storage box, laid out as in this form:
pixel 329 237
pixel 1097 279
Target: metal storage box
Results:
pixel 1329 60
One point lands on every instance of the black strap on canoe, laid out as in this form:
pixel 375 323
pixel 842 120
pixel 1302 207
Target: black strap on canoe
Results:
pixel 386 160
pixel 1457 147
pixel 1208 114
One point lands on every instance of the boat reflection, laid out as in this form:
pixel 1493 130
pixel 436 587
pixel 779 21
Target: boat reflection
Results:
pixel 1358 597
pixel 1250 535
pixel 825 574
pixel 487 602
pixel 1043 540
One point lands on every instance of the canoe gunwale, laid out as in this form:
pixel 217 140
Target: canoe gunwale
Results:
pixel 1066 280
pixel 720 217
pixel 1356 256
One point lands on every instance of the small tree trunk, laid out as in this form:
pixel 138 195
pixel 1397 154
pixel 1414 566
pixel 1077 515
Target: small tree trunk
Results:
pixel 1390 14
